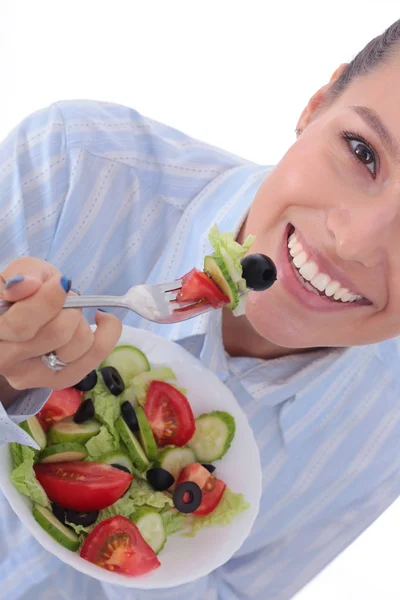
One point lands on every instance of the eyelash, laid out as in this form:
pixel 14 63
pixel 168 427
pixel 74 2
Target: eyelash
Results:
pixel 348 136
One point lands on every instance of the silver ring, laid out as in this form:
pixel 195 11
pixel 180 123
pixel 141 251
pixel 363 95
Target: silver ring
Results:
pixel 53 363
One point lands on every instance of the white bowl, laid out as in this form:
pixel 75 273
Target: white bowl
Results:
pixel 183 559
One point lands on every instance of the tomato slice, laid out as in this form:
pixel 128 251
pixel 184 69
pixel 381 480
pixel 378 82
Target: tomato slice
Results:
pixel 198 286
pixel 169 414
pixel 82 486
pixel 61 404
pixel 212 488
pixel 117 545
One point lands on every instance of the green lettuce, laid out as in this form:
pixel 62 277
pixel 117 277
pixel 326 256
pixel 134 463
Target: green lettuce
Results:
pixel 23 475
pixel 231 252
pixel 102 443
pixel 230 506
pixel 106 407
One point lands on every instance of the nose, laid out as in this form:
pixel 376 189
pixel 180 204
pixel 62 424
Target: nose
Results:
pixel 362 233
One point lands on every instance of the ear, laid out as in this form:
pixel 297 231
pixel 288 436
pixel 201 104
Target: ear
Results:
pixel 317 100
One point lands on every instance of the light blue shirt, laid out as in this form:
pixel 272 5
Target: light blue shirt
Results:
pixel 113 199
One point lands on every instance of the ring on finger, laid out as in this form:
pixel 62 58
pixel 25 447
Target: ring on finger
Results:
pixel 53 363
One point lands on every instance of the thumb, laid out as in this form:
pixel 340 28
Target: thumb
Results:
pixel 24 277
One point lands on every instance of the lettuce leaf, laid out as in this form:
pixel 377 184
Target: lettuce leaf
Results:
pixel 174 521
pixel 102 443
pixel 23 475
pixel 106 407
pixel 230 506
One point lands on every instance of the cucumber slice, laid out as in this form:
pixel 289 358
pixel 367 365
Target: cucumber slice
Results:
pixel 217 270
pixel 117 458
pixel 33 428
pixel 175 459
pixel 151 525
pixel 64 536
pixel 141 383
pixel 69 431
pixel 128 361
pixel 213 436
pixel 146 435
pixel 63 453
pixel 135 450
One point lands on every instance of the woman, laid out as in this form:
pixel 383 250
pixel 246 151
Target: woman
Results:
pixel 111 198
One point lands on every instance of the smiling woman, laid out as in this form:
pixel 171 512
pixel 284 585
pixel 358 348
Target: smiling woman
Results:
pixel 111 198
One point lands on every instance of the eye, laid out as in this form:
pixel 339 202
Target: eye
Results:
pixel 362 151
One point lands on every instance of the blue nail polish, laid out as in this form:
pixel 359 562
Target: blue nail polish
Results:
pixel 103 310
pixel 66 283
pixel 13 280
pixel 77 292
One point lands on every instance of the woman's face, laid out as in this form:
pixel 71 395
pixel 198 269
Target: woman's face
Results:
pixel 337 190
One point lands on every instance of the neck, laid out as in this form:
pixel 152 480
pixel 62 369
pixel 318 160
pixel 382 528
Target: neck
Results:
pixel 241 339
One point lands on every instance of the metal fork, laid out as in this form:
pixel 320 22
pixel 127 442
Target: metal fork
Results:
pixel 156 303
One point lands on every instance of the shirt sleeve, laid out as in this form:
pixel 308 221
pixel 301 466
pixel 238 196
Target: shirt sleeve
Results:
pixel 34 181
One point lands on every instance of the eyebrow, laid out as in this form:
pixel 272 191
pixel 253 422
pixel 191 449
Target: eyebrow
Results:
pixel 371 118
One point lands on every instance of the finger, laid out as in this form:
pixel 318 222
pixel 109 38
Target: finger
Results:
pixel 80 343
pixel 23 277
pixel 26 317
pixel 60 332
pixel 34 373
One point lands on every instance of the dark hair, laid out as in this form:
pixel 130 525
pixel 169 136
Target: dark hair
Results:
pixel 376 52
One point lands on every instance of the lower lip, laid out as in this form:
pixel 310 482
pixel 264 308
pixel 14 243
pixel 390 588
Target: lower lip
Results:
pixel 291 283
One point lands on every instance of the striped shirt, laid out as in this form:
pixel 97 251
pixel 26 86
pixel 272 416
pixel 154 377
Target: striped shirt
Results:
pixel 113 199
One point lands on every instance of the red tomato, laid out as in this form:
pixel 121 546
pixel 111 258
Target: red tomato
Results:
pixel 169 414
pixel 60 405
pixel 117 545
pixel 82 486
pixel 212 488
pixel 197 287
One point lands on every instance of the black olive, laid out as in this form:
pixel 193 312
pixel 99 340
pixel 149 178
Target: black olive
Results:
pixel 129 415
pixel 160 479
pixel 113 380
pixel 81 518
pixel 84 412
pixel 259 271
pixel 210 468
pixel 88 383
pixel 121 468
pixel 59 512
pixel 195 497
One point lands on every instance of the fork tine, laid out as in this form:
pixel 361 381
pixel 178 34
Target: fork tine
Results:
pixel 170 287
pixel 170 296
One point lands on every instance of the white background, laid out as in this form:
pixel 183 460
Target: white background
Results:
pixel 235 74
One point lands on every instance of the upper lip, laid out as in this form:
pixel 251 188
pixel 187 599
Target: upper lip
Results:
pixel 324 265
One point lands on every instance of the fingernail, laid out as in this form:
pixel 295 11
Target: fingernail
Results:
pixel 77 292
pixel 103 310
pixel 66 283
pixel 13 280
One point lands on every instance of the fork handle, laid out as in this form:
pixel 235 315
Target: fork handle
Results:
pixel 82 302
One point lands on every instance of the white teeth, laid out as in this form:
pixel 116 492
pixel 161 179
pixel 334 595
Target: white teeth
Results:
pixel 332 287
pixel 300 260
pixel 320 281
pixel 341 292
pixel 309 270
pixel 309 273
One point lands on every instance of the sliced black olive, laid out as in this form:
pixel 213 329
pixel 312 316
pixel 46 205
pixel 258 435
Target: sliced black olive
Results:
pixel 210 468
pixel 59 512
pixel 259 271
pixel 160 479
pixel 129 415
pixel 113 380
pixel 88 383
pixel 84 412
pixel 80 518
pixel 187 497
pixel 121 468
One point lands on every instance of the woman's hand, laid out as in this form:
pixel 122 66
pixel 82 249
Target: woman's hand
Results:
pixel 36 325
